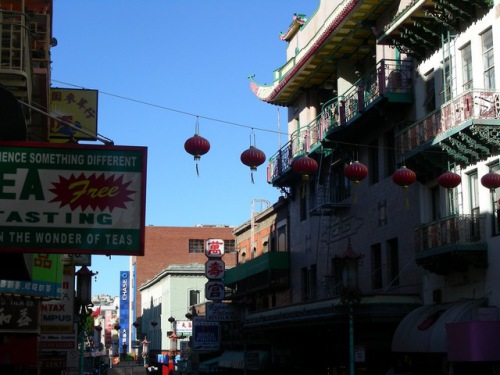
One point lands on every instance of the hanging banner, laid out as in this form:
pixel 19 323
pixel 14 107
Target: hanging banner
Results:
pixel 72 199
pixel 124 311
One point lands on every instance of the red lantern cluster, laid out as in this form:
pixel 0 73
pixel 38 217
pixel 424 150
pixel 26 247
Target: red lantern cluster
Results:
pixel 491 180
pixel 449 180
pixel 252 157
pixel 305 166
pixel 355 172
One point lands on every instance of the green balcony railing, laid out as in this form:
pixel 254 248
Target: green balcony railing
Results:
pixel 390 79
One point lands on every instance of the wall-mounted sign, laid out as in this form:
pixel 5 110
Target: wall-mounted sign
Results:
pixel 214 248
pixel 206 335
pixel 72 199
pixel 18 314
pixel 215 269
pixel 214 290
pixel 221 312
pixel 46 278
pixel 77 107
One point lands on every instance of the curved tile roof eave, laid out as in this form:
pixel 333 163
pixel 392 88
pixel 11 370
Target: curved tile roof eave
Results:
pixel 269 94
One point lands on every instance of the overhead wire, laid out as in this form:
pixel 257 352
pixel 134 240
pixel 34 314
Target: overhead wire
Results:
pixel 172 109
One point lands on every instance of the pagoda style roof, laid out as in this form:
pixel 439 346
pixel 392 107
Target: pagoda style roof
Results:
pixel 345 33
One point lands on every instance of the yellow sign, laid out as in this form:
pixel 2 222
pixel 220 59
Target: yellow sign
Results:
pixel 76 110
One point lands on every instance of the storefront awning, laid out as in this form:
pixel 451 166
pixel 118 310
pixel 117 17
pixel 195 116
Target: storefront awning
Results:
pixel 424 329
pixel 249 360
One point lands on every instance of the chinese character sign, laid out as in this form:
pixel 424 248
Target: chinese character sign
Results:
pixel 214 248
pixel 74 106
pixel 214 269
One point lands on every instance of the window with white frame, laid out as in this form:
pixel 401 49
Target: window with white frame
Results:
pixel 466 67
pixel 495 199
pixel 488 59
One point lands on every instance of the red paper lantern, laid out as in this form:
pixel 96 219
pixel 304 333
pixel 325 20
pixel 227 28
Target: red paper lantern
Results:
pixel 305 166
pixel 356 172
pixel 253 157
pixel 197 146
pixel 404 177
pixel 449 180
pixel 491 180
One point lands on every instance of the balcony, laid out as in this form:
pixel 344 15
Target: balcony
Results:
pixel 267 271
pixel 418 26
pixel 451 244
pixel 15 54
pixel 465 128
pixel 389 80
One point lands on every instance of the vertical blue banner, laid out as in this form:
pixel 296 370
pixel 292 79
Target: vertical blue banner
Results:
pixel 124 311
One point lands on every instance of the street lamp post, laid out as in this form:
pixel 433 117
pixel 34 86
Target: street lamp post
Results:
pixel 84 299
pixel 351 295
pixel 145 345
pixel 173 344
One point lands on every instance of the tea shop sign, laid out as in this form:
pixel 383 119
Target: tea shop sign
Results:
pixel 72 199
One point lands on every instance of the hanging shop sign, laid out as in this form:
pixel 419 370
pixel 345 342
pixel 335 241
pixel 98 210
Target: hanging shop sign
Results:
pixel 215 269
pixel 77 107
pixel 214 290
pixel 206 335
pixel 221 312
pixel 72 199
pixel 214 248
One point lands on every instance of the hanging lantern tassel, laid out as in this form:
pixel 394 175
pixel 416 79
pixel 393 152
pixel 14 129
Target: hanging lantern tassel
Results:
pixel 252 157
pixel 197 146
pixel 355 172
pixel 404 177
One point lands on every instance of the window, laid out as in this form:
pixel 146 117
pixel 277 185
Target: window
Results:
pixel 312 282
pixel 390 154
pixel 496 202
pixel 303 202
pixel 196 246
pixel 376 260
pixel 467 68
pixel 304 284
pixel 282 241
pixel 194 297
pixel 393 262
pixel 340 188
pixel 435 206
pixel 488 60
pixel 337 275
pixel 229 246
pixel 265 244
pixel 474 205
pixel 373 165
pixel 447 77
pixel 430 99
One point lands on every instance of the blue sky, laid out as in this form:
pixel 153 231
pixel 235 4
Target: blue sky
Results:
pixel 160 66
